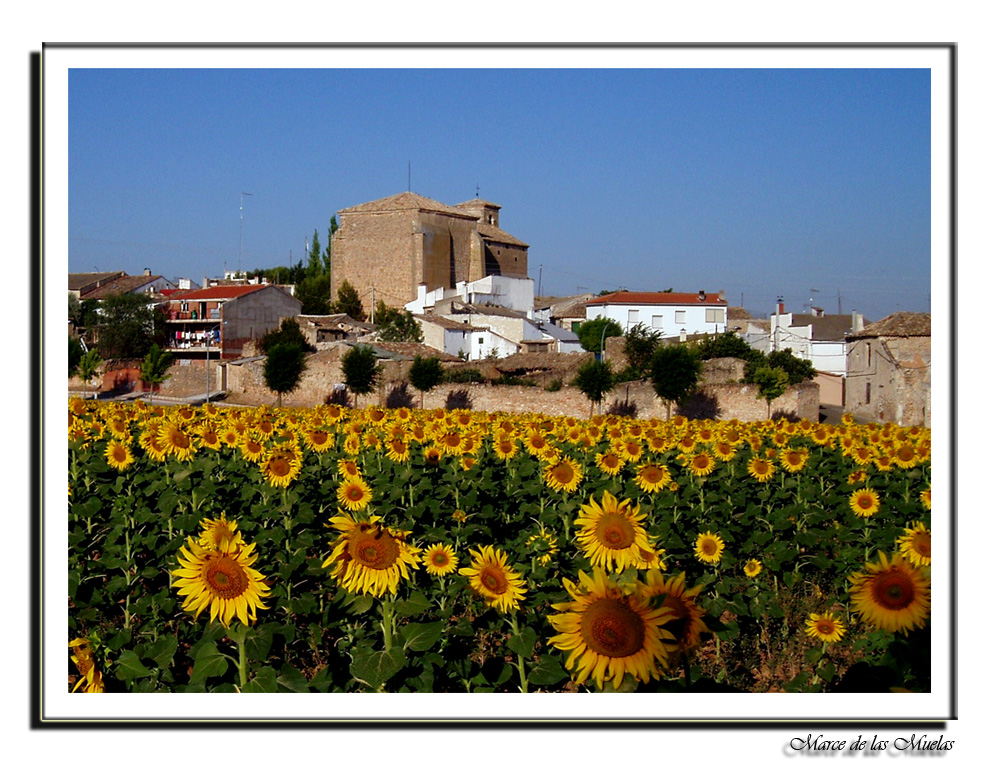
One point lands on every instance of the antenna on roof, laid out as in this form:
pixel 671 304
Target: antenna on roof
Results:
pixel 477 190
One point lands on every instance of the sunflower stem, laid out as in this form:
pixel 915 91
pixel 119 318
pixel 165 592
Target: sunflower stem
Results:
pixel 388 622
pixel 520 659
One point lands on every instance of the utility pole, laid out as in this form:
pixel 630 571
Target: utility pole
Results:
pixel 239 266
pixel 373 303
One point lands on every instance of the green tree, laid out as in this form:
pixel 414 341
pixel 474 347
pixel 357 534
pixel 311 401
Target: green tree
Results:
pixel 327 256
pixel 89 365
pixel 155 366
pixel 349 302
pixel 360 371
pixel 595 380
pixel 727 345
pixel 314 293
pixel 674 371
pixel 797 368
pixel 128 325
pixel 75 354
pixel 287 333
pixel 640 343
pixel 396 325
pixel 771 384
pixel 75 311
pixel 283 368
pixel 425 374
pixel 314 268
pixel 591 331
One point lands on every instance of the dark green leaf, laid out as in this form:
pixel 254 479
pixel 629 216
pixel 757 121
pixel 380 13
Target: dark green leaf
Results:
pixel 523 644
pixel 420 637
pixel 128 666
pixel 375 669
pixel 548 671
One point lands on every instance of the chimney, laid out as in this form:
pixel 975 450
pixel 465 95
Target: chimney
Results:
pixel 781 306
pixel 147 272
pixel 722 295
pixel 701 296
pixel 857 321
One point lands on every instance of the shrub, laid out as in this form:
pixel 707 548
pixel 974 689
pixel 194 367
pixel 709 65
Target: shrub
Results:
pixel 463 376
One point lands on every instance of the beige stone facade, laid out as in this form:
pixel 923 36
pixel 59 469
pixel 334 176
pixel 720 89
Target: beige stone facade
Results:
pixel 389 247
pixel 889 370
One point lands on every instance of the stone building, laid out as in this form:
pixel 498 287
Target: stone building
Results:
pixel 387 249
pixel 889 370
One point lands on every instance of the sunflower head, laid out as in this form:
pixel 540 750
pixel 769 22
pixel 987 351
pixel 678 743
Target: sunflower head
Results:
pixel 440 559
pixel 222 580
pixel 492 577
pixel 864 502
pixel 612 534
pixel 825 626
pixel 564 475
pixel 752 568
pixel 708 548
pixel 368 557
pixel 891 594
pixel 915 544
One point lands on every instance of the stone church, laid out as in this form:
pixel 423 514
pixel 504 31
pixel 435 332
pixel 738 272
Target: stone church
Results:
pixel 388 248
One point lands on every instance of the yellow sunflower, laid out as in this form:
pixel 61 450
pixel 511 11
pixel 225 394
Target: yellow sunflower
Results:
pixel 440 559
pixel 208 437
pixel 794 460
pixel 118 455
pixel 251 448
pixel 906 456
pixel 281 466
pixel 752 568
pixel 319 440
pixel 90 676
pixel 543 545
pixel 701 464
pixel 218 532
pixel 505 448
pixel 687 624
pixel 630 450
pixel 368 557
pixel 354 493
pixel 230 437
pixel 149 440
pixel 826 626
pixel 651 478
pixel 612 535
pixel 222 580
pixel 708 548
pixel 761 469
pixel 348 469
pixel 915 544
pixel 564 475
pixel 891 594
pixel 491 577
pixel 609 462
pixel 925 497
pixel 398 450
pixel 864 502
pixel 177 442
pixel 460 516
pixel 608 632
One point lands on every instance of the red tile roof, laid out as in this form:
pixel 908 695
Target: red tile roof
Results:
pixel 648 297
pixel 221 292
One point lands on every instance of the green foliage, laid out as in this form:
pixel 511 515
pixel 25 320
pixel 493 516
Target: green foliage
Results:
pixel 314 293
pixel 88 365
pixel 75 309
pixel 727 345
pixel 396 325
pixel 463 376
pixel 287 333
pixel 426 373
pixel 771 384
pixel 348 301
pixel 314 268
pixel 674 371
pixel 128 325
pixel 283 368
pixel 360 370
pixel 640 344
pixel 155 366
pixel 591 331
pixel 75 354
pixel 595 380
pixel 798 370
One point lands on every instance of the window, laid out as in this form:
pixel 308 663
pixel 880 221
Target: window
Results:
pixel 633 316
pixel 680 316
pixel 715 315
pixel 480 339
pixel 657 321
pixel 868 393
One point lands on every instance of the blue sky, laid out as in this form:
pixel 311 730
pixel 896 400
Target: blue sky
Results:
pixel 801 183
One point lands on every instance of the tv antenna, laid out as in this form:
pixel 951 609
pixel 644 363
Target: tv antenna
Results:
pixel 239 265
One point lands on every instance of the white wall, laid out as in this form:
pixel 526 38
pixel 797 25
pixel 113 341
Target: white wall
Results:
pixel 663 318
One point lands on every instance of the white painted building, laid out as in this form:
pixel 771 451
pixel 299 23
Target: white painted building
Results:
pixel 672 314
pixel 814 336
pixel 516 294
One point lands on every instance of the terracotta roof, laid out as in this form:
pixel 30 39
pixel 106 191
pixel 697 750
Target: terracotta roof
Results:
pixel 648 297
pixel 407 201
pixel 121 285
pixel 478 202
pixel 80 281
pixel 492 232
pixel 897 324
pixel 221 292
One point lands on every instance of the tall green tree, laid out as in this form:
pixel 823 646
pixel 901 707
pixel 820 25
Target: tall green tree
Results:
pixel 640 344
pixel 75 354
pixel 314 293
pixel 89 365
pixel 396 325
pixel 156 366
pixel 771 384
pixel 314 268
pixel 128 325
pixel 283 368
pixel 349 302
pixel 595 380
pixel 591 331
pixel 674 371
pixel 360 370
pixel 286 333
pixel 425 374
pixel 327 254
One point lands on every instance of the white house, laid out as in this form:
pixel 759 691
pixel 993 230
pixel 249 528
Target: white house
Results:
pixel 462 339
pixel 516 294
pixel 672 314
pixel 814 336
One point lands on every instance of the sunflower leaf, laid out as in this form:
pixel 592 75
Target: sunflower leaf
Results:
pixel 265 681
pixel 548 671
pixel 523 643
pixel 291 680
pixel 376 669
pixel 420 637
pixel 128 666
pixel 162 650
pixel 208 663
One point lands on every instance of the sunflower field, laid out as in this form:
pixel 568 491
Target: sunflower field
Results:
pixel 335 550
